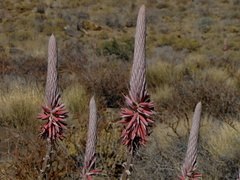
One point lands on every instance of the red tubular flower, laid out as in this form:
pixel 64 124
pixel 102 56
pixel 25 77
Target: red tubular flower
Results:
pixel 89 174
pixel 139 106
pixel 191 176
pixel 137 115
pixel 55 122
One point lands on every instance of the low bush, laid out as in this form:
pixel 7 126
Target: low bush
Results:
pixel 104 81
pixel 180 43
pixel 121 50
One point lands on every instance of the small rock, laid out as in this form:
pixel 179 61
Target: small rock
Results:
pixel 82 15
pixel 15 51
pixel 88 25
pixel 55 5
pixel 73 33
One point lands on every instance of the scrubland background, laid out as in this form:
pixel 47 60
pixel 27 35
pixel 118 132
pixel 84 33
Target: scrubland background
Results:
pixel 186 64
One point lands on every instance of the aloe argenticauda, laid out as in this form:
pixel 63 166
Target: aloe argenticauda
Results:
pixel 190 162
pixel 139 106
pixel 54 111
pixel 90 151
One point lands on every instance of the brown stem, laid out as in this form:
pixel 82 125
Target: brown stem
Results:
pixel 127 167
pixel 45 166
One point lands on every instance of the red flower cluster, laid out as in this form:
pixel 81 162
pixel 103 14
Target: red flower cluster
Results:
pixel 137 116
pixel 93 172
pixel 191 176
pixel 56 123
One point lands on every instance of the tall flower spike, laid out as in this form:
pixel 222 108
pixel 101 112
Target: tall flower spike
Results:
pixel 90 151
pixel 139 107
pixel 138 76
pixel 190 162
pixel 54 111
pixel 51 90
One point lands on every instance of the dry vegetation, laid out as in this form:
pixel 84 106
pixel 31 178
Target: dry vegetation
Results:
pixel 186 64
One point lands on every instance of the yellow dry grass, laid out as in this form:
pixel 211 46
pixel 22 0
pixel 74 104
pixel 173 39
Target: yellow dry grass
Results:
pixel 76 99
pixel 225 141
pixel 215 74
pixel 161 93
pixel 20 106
pixel 161 73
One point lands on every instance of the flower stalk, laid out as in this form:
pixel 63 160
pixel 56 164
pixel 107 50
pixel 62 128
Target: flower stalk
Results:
pixel 139 106
pixel 89 158
pixel 54 111
pixel 190 162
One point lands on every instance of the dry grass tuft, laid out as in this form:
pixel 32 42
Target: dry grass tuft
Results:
pixel 162 93
pixel 161 73
pixel 75 97
pixel 20 106
pixel 224 142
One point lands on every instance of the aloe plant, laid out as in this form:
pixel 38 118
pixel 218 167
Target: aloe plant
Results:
pixel 139 106
pixel 54 111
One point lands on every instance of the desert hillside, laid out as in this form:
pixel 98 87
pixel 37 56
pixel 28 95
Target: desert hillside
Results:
pixel 192 53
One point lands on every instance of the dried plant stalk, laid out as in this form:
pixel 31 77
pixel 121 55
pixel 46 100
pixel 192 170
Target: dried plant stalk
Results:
pixel 190 162
pixel 90 151
pixel 54 112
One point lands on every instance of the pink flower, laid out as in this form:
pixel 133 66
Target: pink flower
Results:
pixel 55 122
pixel 191 176
pixel 89 174
pixel 137 115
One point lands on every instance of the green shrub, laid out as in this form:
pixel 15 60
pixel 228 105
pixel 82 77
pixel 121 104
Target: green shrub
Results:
pixel 204 24
pixel 179 43
pixel 108 81
pixel 194 64
pixel 54 26
pixel 24 6
pixel 234 45
pixel 233 29
pixel 121 50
